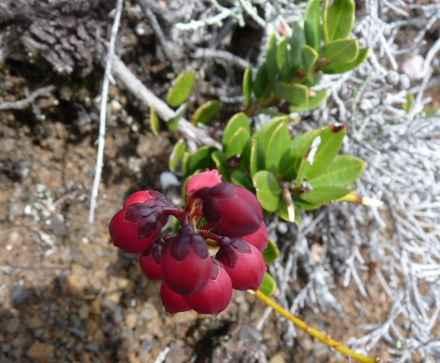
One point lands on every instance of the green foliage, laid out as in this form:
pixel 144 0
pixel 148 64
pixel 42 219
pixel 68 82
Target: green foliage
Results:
pixel 268 286
pixel 154 122
pixel 271 253
pixel 293 62
pixel 206 112
pixel 289 173
pixel 182 88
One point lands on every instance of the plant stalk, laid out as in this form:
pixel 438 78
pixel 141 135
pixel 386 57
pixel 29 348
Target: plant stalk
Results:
pixel 315 333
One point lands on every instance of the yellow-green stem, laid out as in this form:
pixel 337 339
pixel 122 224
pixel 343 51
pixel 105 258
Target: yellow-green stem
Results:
pixel 315 333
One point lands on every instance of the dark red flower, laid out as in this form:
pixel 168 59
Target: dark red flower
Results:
pixel 206 179
pixel 150 262
pixel 186 265
pixel 230 210
pixel 172 301
pixel 124 234
pixel 215 296
pixel 243 262
pixel 259 238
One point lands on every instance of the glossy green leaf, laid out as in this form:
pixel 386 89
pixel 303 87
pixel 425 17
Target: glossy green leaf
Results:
pixel 154 122
pixel 247 86
pixel 345 67
pixel 268 190
pixel 271 58
pixel 320 155
pixel 235 145
pixel 238 121
pixel 182 88
pixel 207 112
pixel 312 24
pixel 339 19
pixel 176 158
pixel 200 159
pixel 271 252
pixel 269 286
pixel 241 178
pixel 340 52
pixel 278 144
pixel 342 172
pixel 295 94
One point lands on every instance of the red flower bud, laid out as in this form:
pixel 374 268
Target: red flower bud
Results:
pixel 172 301
pixel 186 265
pixel 243 262
pixel 124 234
pixel 150 262
pixel 206 179
pixel 215 296
pixel 259 238
pixel 231 210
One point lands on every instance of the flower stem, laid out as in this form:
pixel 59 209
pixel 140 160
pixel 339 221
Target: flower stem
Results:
pixel 315 333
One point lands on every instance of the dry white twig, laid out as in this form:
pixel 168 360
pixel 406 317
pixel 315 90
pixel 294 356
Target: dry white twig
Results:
pixel 103 111
pixel 148 98
pixel 28 101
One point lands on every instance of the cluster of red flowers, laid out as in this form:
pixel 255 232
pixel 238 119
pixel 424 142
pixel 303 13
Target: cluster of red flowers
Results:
pixel 217 249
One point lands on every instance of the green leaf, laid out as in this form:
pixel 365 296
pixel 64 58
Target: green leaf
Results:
pixel 262 137
pixel 269 286
pixel 298 151
pixel 175 162
pixel 268 190
pixel 309 58
pixel 342 172
pixel 320 155
pixel 284 213
pixel 241 178
pixel 235 145
pixel 324 195
pixel 271 252
pixel 256 162
pixel 315 101
pixel 345 67
pixel 271 58
pixel 295 94
pixel 247 86
pixel 317 98
pixel 220 162
pixel 154 122
pixel 283 58
pixel 312 24
pixel 296 42
pixel 182 88
pixel 335 182
pixel 339 19
pixel 278 144
pixel 200 159
pixel 261 83
pixel 207 112
pixel 238 121
pixel 340 52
